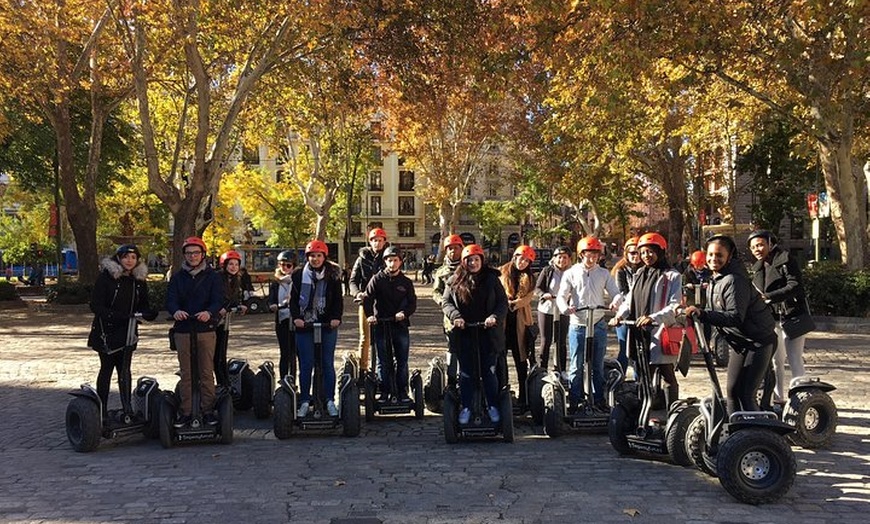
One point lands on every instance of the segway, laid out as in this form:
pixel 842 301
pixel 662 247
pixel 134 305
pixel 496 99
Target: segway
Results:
pixel 558 415
pixel 390 403
pixel 435 384
pixel 748 451
pixel 479 425
pixel 632 426
pixel 241 377
pixel 809 409
pixel 285 420
pixel 84 421
pixel 197 430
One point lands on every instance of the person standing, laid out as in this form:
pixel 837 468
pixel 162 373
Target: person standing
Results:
pixel 316 297
pixel 695 277
pixel 230 273
pixel 777 275
pixel 279 300
pixel 390 295
pixel 584 285
pixel 623 271
pixel 553 324
pixel 453 246
pixel 194 298
pixel 120 291
pixel 518 281
pixel 369 263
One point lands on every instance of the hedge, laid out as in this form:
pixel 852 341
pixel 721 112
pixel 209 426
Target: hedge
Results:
pixel 833 290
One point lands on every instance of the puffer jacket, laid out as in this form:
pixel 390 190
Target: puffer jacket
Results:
pixel 737 310
pixel 116 297
pixel 366 266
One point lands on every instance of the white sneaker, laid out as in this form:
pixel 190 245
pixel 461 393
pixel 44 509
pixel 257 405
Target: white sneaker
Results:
pixel 464 416
pixel 331 408
pixel 494 414
pixel 303 410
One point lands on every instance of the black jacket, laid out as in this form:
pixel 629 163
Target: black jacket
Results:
pixel 334 294
pixel 203 291
pixel 779 278
pixel 116 297
pixel 489 298
pixel 387 295
pixel 366 266
pixel 737 311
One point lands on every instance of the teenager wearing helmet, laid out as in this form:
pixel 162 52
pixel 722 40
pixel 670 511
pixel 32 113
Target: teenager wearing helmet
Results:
pixel 230 272
pixel 453 246
pixel 518 280
pixel 369 262
pixel 740 316
pixel 584 285
pixel 475 294
pixel 279 298
pixel 546 288
pixel 120 291
pixel 390 294
pixel 777 275
pixel 623 271
pixel 315 296
pixel 653 298
pixel 696 274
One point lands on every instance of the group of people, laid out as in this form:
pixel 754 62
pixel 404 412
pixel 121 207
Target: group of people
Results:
pixel 762 318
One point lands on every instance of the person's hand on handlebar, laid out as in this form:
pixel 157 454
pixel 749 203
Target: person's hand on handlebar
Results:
pixel 334 323
pixel 180 315
pixel 643 321
pixel 299 323
pixel 203 316
pixel 613 322
pixel 400 316
pixel 372 319
pixel 459 323
pixel 691 311
pixel 490 321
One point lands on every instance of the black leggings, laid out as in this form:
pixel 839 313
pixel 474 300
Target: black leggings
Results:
pixel 286 344
pixel 545 322
pixel 120 362
pixel 520 364
pixel 745 373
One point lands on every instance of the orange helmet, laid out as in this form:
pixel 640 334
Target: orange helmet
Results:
pixel 194 241
pixel 698 259
pixel 526 252
pixel 317 246
pixel 589 243
pixel 472 249
pixel 630 242
pixel 453 240
pixel 377 232
pixel 230 255
pixel 654 239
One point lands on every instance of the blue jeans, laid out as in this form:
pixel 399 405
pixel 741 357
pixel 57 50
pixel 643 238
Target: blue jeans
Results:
pixel 576 357
pixel 305 348
pixel 398 369
pixel 468 351
pixel 622 336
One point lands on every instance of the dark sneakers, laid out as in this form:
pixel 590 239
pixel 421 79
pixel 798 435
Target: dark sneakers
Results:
pixel 182 420
pixel 210 419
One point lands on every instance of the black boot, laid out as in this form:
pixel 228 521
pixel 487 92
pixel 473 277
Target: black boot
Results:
pixel 672 394
pixel 522 375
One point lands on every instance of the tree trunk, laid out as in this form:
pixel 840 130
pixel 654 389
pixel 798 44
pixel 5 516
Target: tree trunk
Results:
pixel 847 200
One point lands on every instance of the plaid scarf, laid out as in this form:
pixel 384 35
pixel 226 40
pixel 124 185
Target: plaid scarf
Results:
pixel 312 295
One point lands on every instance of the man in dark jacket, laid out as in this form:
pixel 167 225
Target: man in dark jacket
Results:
pixel 369 263
pixel 194 298
pixel 390 299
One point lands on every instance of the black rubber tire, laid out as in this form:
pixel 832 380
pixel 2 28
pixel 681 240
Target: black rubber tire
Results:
pixel 417 391
pixel 284 415
pixel 677 436
pixel 507 421
pixel 369 399
pixel 350 418
pixel 167 418
pixel 618 427
pixel 814 416
pixel 244 401
pixel 553 411
pixel 450 416
pixel 432 390
pixel 261 395
pixel 697 446
pixel 534 390
pixel 83 424
pixel 152 425
pixel 224 410
pixel 756 466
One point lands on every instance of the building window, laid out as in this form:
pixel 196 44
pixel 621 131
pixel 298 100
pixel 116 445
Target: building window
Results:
pixel 377 155
pixel 406 206
pixel 376 183
pixel 375 205
pixel 356 228
pixel 406 229
pixel 251 155
pixel 373 225
pixel 406 180
pixel 493 190
pixel 280 176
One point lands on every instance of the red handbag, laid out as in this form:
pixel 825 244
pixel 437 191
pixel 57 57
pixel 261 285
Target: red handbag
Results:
pixel 673 339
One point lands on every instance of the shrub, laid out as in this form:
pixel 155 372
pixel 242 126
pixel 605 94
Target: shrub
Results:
pixel 833 290
pixel 7 291
pixel 157 294
pixel 71 292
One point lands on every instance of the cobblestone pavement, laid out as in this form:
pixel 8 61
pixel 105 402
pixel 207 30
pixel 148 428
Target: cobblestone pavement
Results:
pixel 399 469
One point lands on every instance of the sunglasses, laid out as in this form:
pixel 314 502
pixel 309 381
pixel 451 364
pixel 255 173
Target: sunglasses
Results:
pixel 632 253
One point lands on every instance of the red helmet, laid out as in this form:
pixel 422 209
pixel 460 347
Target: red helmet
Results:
pixel 453 240
pixel 526 252
pixel 317 246
pixel 377 232
pixel 630 242
pixel 653 238
pixel 194 241
pixel 230 255
pixel 698 259
pixel 472 249
pixel 589 244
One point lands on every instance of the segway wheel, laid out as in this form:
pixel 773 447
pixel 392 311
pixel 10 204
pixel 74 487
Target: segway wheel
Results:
pixel 261 398
pixel 370 400
pixel 756 466
pixel 677 436
pixel 225 415
pixel 450 416
pixel 167 417
pixel 433 393
pixel 284 415
pixel 507 421
pixel 152 425
pixel 554 410
pixel 83 424
pixel 350 419
pixel 618 427
pixel 244 399
pixel 417 389
pixel 814 417
pixel 534 390
pixel 696 445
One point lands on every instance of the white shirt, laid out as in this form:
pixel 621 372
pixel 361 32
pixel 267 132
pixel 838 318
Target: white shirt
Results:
pixel 581 287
